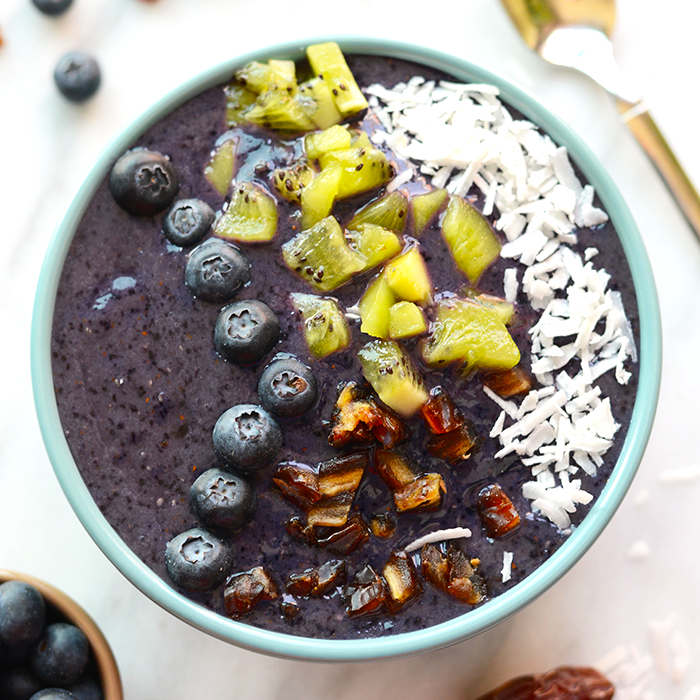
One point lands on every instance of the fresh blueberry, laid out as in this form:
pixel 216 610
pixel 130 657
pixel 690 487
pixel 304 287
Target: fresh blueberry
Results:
pixel 53 694
pixel 86 688
pixel 187 222
pixel 52 7
pixel 222 500
pixel 198 560
pixel 22 614
pixel 61 655
pixel 77 76
pixel 216 270
pixel 143 182
pixel 246 331
pixel 247 437
pixel 287 388
pixel 19 684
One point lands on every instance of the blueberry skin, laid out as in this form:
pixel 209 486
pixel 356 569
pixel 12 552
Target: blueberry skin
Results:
pixel 216 270
pixel 77 76
pixel 187 221
pixel 287 388
pixel 198 560
pixel 22 614
pixel 223 500
pixel 143 182
pixel 61 655
pixel 247 437
pixel 246 331
pixel 52 7
pixel 53 694
pixel 19 684
pixel 86 688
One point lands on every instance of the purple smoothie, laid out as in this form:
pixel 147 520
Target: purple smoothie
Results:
pixel 140 386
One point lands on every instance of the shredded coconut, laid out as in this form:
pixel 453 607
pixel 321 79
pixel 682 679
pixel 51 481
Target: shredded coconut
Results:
pixel 507 566
pixel 438 536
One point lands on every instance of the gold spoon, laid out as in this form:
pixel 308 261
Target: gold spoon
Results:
pixel 576 34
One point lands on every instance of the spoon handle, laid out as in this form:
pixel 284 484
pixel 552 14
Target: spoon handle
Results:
pixel 644 129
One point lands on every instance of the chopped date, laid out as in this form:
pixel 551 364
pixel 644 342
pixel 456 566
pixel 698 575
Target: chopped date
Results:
pixel 243 591
pixel 299 531
pixel 452 573
pixel 342 474
pixel 366 594
pixel 440 413
pixel 510 382
pixel 317 581
pixel 290 609
pixel 402 584
pixel 298 483
pixel 563 683
pixel 497 512
pixel 358 419
pixel 383 525
pixel 455 446
pixel 423 493
pixel 395 468
pixel 347 538
pixel 332 511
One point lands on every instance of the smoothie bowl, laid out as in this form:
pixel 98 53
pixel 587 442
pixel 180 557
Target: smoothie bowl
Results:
pixel 346 352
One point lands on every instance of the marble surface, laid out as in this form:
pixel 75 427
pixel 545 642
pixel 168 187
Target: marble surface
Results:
pixel 640 575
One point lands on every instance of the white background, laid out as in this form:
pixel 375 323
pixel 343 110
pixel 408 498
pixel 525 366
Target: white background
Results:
pixel 145 49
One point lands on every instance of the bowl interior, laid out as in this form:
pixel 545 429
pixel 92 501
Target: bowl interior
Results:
pixel 437 636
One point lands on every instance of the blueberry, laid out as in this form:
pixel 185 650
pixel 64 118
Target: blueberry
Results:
pixel 222 500
pixel 187 222
pixel 53 694
pixel 19 684
pixel 61 655
pixel 143 182
pixel 86 688
pixel 287 388
pixel 52 7
pixel 216 270
pixel 198 560
pixel 77 76
pixel 22 614
pixel 247 437
pixel 246 331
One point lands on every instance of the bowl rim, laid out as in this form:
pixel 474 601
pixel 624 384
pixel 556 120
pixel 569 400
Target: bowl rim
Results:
pixel 474 621
pixel 110 679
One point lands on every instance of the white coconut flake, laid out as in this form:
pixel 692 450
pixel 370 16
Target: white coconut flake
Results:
pixel 438 536
pixel 507 569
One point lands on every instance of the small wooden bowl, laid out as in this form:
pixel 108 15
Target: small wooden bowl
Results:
pixel 103 658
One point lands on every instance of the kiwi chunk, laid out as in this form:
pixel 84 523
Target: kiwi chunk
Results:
pixel 388 212
pixel 408 276
pixel 425 206
pixel 471 333
pixel 392 375
pixel 290 181
pixel 325 329
pixel 279 111
pixel 472 242
pixel 332 139
pixel 364 169
pixel 219 170
pixel 251 216
pixel 406 320
pixel 376 243
pixel 319 195
pixel 374 308
pixel 317 101
pixel 322 257
pixel 238 101
pixel 268 77
pixel 327 60
pixel 503 308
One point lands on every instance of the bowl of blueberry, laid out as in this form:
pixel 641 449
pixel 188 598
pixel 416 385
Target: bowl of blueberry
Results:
pixel 51 648
pixel 346 350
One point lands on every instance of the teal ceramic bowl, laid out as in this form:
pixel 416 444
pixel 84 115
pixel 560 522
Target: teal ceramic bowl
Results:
pixel 474 621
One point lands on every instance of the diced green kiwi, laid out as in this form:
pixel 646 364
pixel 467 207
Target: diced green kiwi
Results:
pixel 472 333
pixel 334 138
pixel 406 319
pixel 374 307
pixel 360 139
pixel 408 276
pixel 290 181
pixel 321 255
pixel 425 206
pixel 470 238
pixel 388 211
pixel 219 170
pixel 318 197
pixel 279 111
pixel 503 308
pixel 327 60
pixel 266 77
pixel 377 244
pixel 238 101
pixel 364 169
pixel 325 329
pixel 390 372
pixel 251 216
pixel 317 101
